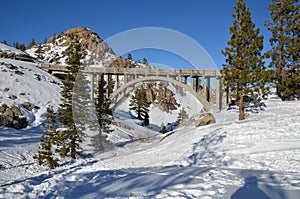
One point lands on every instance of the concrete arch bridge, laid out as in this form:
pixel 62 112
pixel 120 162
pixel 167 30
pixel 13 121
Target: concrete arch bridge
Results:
pixel 134 77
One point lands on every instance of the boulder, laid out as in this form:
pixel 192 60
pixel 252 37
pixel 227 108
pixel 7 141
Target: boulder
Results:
pixel 27 105
pixel 16 111
pixel 3 108
pixel 206 119
pixel 12 117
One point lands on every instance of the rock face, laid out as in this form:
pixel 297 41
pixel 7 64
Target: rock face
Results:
pixel 12 117
pixel 160 96
pixel 8 52
pixel 55 49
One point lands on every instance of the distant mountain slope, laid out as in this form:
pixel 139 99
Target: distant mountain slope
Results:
pixel 54 50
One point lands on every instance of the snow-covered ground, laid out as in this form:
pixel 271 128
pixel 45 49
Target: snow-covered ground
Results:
pixel 259 156
pixel 255 158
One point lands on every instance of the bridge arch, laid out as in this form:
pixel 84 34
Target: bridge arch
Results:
pixel 129 86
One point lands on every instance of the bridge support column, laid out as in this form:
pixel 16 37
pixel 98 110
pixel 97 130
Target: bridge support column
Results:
pixel 197 84
pixel 109 85
pixel 185 79
pixel 125 78
pixel 219 93
pixel 207 88
pixel 117 81
pixel 193 83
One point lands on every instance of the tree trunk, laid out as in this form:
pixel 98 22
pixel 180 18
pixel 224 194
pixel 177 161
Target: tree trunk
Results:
pixel 241 102
pixel 73 146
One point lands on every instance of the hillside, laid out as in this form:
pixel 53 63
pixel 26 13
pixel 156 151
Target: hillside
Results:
pixel 54 50
pixel 25 86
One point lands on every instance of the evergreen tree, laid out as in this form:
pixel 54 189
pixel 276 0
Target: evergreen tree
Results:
pixel 285 43
pixel 163 128
pixel 244 64
pixel 45 154
pixel 16 45
pixel 81 103
pixel 22 47
pixel 140 105
pixel 110 85
pixel 70 138
pixel 5 42
pixel 45 40
pixel 103 113
pixel 182 115
pixel 145 61
pixel 129 56
pixel 31 43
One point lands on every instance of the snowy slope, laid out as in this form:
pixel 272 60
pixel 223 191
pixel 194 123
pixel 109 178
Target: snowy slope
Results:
pixel 31 85
pixel 9 49
pixel 259 156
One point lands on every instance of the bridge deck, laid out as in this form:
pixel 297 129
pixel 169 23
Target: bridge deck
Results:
pixel 138 71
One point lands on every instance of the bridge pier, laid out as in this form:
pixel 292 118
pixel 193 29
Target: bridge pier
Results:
pixel 219 95
pixel 195 83
pixel 207 88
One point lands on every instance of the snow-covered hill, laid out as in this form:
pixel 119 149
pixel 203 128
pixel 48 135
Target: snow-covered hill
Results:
pixel 24 82
pixel 259 156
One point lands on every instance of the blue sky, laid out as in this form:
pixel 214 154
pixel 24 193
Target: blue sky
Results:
pixel 207 22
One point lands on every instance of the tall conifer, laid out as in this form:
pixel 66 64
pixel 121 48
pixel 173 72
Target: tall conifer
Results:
pixel 140 105
pixel 70 137
pixel 45 154
pixel 285 43
pixel 244 63
pixel 103 113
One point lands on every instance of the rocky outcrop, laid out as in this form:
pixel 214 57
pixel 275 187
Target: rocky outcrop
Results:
pixel 15 56
pixel 200 119
pixel 205 119
pixel 55 49
pixel 12 117
pixel 160 96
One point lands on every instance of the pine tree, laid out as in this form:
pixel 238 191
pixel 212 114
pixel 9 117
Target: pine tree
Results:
pixel 103 113
pixel 285 43
pixel 145 61
pixel 45 40
pixel 244 64
pixel 22 47
pixel 31 43
pixel 182 115
pixel 70 138
pixel 16 45
pixel 129 56
pixel 5 42
pixel 140 105
pixel 81 103
pixel 45 154
pixel 163 128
